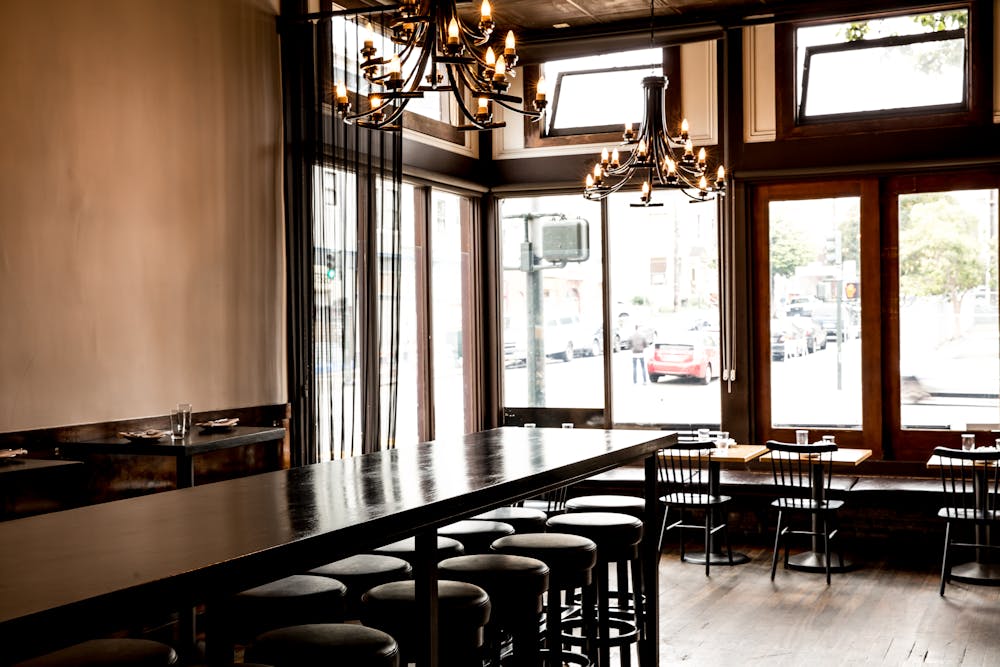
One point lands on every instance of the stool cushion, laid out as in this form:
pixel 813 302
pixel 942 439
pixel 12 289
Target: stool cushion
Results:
pixel 108 653
pixel 633 505
pixel 514 583
pixel 570 557
pixel 617 535
pixel 447 547
pixel 364 571
pixel 463 610
pixel 523 519
pixel 295 600
pixel 475 535
pixel 326 644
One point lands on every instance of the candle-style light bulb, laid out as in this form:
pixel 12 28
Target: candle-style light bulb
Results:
pixel 540 89
pixel 483 104
pixel 491 58
pixel 703 183
pixel 375 101
pixel 701 157
pixel 589 182
pixel 688 147
pixel 671 167
pixel 645 191
pixel 614 158
pixel 685 128
pixel 341 93
pixel 598 173
pixel 642 148
pixel 453 31
pixel 369 36
pixel 721 174
pixel 394 67
pixel 485 11
pixel 508 44
pixel 604 156
pixel 501 70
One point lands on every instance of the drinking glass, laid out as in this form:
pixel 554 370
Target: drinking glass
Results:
pixel 802 437
pixel 176 425
pixel 529 425
pixel 567 425
pixel 968 441
pixel 185 410
pixel 703 434
pixel 723 441
pixel 828 439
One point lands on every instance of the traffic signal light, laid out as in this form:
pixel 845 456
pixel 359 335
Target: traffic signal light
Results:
pixel 831 250
pixel 331 272
pixel 851 290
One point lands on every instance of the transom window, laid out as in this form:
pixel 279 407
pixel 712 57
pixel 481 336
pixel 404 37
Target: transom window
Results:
pixel 881 66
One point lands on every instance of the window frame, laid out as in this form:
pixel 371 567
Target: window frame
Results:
pixel 977 95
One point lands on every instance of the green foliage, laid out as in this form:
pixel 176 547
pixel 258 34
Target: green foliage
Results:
pixel 938 250
pixel 855 32
pixel 789 249
pixel 638 301
pixel 939 21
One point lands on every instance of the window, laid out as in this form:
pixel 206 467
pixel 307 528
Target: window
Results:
pixel 880 65
pixel 551 302
pixel 664 280
pixel 949 356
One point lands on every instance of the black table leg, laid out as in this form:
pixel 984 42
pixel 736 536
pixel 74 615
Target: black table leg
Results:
pixel 649 639
pixel 425 577
pixel 814 560
pixel 185 472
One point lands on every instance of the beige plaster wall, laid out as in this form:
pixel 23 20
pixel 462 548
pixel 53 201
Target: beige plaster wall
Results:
pixel 141 242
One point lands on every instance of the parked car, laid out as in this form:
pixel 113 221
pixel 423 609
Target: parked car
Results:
pixel 787 340
pixel 815 334
pixel 963 370
pixel 850 322
pixel 564 338
pixel 691 354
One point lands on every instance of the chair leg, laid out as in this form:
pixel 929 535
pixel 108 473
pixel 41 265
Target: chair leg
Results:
pixel 777 545
pixel 826 548
pixel 944 559
pixel 729 548
pixel 603 615
pixel 708 540
pixel 663 527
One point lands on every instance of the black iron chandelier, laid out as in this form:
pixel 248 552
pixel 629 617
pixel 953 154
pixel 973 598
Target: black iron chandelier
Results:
pixel 659 159
pixel 436 52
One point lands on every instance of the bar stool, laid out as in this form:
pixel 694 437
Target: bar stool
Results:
pixel 515 585
pixel 476 536
pixel 571 559
pixel 617 537
pixel 108 653
pixel 362 572
pixel 407 549
pixel 632 505
pixel 523 519
pixel 295 600
pixel 325 644
pixel 463 611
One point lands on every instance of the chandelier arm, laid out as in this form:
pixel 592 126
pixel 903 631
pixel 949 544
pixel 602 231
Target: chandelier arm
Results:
pixel 523 112
pixel 458 97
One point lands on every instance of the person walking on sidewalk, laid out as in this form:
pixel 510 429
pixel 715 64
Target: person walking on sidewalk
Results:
pixel 639 344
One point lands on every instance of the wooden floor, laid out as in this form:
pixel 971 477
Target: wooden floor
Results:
pixel 886 611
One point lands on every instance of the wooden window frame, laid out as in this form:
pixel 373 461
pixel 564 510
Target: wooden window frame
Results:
pixel 978 98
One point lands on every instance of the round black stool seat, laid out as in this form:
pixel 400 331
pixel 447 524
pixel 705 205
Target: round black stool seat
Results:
pixel 108 653
pixel 324 645
pixel 617 535
pixel 407 549
pixel 364 571
pixel 475 535
pixel 463 611
pixel 296 600
pixel 515 585
pixel 569 557
pixel 571 560
pixel 633 505
pixel 523 519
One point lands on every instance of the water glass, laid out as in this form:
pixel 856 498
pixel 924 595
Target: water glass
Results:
pixel 723 440
pixel 185 410
pixel 529 424
pixel 176 424
pixel 567 425
pixel 801 437
pixel 968 441
pixel 829 440
pixel 703 434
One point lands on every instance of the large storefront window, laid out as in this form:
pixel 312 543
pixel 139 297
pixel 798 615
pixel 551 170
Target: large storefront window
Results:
pixel 551 302
pixel 664 281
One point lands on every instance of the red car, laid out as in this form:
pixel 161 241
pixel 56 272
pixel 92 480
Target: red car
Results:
pixel 689 354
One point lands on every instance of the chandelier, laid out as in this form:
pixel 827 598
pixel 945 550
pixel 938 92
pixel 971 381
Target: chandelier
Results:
pixel 659 159
pixel 436 52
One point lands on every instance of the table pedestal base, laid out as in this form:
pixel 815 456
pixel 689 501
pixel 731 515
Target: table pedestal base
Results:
pixel 985 574
pixel 716 557
pixel 814 561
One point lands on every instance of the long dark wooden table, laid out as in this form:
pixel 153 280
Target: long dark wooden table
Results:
pixel 75 572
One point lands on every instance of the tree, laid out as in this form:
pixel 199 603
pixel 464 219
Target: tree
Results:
pixel 789 250
pixel 938 251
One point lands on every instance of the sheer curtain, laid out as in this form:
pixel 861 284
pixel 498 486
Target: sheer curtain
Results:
pixel 343 185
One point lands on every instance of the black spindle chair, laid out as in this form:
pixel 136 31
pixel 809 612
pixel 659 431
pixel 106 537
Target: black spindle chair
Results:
pixel 970 480
pixel 795 469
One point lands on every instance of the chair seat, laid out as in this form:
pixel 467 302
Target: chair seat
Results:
pixel 324 644
pixel 508 580
pixel 616 535
pixel 296 600
pixel 476 535
pixel 694 499
pixel 633 505
pixel 406 549
pixel 570 557
pixel 968 514
pixel 523 519
pixel 807 505
pixel 108 653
